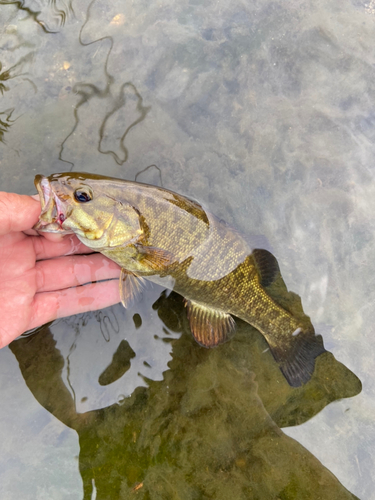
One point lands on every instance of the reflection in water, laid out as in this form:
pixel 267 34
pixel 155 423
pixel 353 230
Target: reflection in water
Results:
pixel 5 123
pixel 118 107
pixel 127 91
pixel 259 96
pixel 209 429
pixel 6 76
pixel 155 180
pixel 53 12
pixel 10 73
pixel 128 103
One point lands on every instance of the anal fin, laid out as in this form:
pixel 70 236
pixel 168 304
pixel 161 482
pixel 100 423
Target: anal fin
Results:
pixel 130 287
pixel 210 327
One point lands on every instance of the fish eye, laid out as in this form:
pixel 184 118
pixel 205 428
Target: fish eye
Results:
pixel 82 196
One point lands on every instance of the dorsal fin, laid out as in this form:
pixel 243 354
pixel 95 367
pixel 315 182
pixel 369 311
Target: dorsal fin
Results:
pixel 267 266
pixel 209 327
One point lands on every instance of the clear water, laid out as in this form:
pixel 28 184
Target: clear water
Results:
pixel 264 112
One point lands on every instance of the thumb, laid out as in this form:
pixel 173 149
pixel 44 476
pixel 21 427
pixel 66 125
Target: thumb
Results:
pixel 17 212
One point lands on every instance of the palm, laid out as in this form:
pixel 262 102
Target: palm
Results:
pixel 40 279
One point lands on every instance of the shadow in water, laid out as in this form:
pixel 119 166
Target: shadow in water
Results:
pixel 210 429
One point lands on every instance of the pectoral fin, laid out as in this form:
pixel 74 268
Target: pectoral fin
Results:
pixel 209 327
pixel 131 287
pixel 156 259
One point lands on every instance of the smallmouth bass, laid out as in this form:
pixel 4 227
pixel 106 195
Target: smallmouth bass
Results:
pixel 158 235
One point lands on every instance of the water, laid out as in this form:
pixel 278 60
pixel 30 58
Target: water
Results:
pixel 265 114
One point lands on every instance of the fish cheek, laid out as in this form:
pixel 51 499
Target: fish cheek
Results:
pixel 87 223
pixel 125 226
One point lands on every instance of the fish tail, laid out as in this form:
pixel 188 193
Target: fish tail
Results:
pixel 296 358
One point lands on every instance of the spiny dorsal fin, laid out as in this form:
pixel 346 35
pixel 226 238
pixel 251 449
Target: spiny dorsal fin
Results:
pixel 296 358
pixel 267 266
pixel 209 327
pixel 156 259
pixel 130 287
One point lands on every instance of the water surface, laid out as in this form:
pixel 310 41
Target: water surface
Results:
pixel 263 112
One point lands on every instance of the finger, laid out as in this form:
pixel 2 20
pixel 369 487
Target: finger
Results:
pixel 31 232
pixel 69 245
pixel 49 306
pixel 66 272
pixel 17 212
pixel 54 237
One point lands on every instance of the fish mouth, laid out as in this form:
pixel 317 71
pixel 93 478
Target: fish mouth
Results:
pixel 53 215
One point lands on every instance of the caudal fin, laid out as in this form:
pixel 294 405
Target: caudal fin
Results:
pixel 297 358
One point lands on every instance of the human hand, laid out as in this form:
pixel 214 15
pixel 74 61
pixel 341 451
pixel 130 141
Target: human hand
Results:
pixel 46 277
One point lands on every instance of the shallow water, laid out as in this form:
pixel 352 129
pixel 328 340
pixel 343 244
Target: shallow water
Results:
pixel 265 114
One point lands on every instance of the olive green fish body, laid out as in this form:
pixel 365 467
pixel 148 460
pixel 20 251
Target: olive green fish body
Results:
pixel 155 234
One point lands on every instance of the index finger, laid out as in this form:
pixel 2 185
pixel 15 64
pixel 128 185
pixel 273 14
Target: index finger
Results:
pixel 68 245
pixel 18 212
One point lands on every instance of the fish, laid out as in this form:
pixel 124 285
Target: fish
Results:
pixel 164 237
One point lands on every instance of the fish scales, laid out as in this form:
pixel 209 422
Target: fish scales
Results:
pixel 167 238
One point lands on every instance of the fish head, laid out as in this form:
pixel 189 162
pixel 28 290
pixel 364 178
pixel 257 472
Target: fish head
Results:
pixel 87 206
